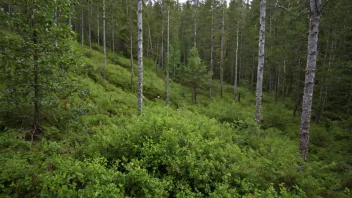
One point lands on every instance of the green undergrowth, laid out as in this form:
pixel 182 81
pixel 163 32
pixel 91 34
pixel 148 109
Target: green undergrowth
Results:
pixel 95 145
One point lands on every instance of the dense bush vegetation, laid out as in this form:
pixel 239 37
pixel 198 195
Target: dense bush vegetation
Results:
pixel 94 145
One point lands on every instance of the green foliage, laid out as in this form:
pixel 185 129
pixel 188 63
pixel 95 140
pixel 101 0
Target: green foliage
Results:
pixel 211 149
pixel 195 73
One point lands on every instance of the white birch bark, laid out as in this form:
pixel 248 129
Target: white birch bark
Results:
pixel 314 20
pixel 104 39
pixel 261 57
pixel 140 57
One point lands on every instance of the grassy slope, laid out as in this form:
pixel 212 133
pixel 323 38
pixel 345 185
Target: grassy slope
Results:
pixel 212 148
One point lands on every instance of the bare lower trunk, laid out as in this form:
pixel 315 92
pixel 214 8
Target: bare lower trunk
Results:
pixel 283 81
pixel 349 104
pixel 222 50
pixel 236 63
pixel 90 23
pixel 277 83
pixel 140 57
pixel 150 39
pixel 112 31
pixel 162 41
pixel 36 117
pixel 324 87
pixel 70 17
pixel 298 99
pixel 194 94
pixel 104 40
pixel 252 76
pixel 98 27
pixel 310 76
pixel 82 28
pixel 168 58
pixel 131 43
pixel 195 23
pixel 261 57
pixel 211 50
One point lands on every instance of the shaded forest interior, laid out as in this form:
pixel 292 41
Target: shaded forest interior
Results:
pixel 121 98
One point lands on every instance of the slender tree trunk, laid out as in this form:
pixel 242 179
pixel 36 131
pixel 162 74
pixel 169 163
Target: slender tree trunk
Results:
pixel 112 31
pixel 157 55
pixel 140 57
pixel 104 39
pixel 261 57
pixel 310 75
pixel 277 83
pixel 98 27
pixel 195 23
pixel 162 38
pixel 195 94
pixel 252 76
pixel 349 104
pixel 297 102
pixel 236 63
pixel 324 94
pixel 131 41
pixel 150 39
pixel 82 27
pixel 211 50
pixel 90 23
pixel 56 21
pixel 168 58
pixel 283 81
pixel 222 50
pixel 70 17
pixel 322 86
pixel 36 118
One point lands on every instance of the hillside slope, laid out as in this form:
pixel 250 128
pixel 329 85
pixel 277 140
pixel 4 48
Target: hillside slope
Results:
pixel 94 145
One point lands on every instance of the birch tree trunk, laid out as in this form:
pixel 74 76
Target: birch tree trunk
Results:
pixel 236 66
pixel 310 75
pixel 104 40
pixel 140 57
pixel 261 57
pixel 222 49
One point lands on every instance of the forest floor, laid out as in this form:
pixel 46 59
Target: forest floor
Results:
pixel 95 145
